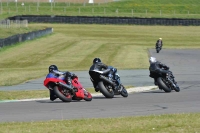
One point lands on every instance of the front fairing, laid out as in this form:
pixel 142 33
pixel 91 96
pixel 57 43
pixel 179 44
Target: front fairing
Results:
pixel 52 78
pixel 77 85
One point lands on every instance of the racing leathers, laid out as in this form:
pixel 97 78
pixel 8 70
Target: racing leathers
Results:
pixel 159 43
pixel 112 74
pixel 157 69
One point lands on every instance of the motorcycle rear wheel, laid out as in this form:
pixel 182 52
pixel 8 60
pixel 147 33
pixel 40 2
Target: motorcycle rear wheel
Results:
pixel 103 89
pixel 63 97
pixel 162 85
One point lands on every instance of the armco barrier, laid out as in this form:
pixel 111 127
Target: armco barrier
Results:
pixel 107 20
pixel 23 37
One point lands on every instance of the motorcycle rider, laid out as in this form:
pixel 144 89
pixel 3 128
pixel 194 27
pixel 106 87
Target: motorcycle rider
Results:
pixel 159 43
pixel 157 68
pixel 66 76
pixel 98 65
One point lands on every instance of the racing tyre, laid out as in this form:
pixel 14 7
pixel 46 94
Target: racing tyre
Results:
pixel 88 97
pixel 177 89
pixel 107 93
pixel 63 97
pixel 124 92
pixel 162 85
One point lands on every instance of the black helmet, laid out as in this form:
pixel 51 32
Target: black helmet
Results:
pixel 53 67
pixel 96 60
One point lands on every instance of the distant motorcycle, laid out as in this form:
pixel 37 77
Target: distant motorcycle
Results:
pixel 64 92
pixel 106 85
pixel 158 48
pixel 166 83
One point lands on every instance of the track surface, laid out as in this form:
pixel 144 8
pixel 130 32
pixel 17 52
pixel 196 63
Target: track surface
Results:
pixel 183 63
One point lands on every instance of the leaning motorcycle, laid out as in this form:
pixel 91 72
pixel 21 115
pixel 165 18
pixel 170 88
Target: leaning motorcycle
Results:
pixel 107 86
pixel 158 48
pixel 65 92
pixel 167 83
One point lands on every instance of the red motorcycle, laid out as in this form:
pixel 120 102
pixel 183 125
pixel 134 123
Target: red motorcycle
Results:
pixel 65 92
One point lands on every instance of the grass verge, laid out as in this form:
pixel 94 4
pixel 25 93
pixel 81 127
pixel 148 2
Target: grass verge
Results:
pixel 172 123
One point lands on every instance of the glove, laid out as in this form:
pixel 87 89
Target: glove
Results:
pixel 167 68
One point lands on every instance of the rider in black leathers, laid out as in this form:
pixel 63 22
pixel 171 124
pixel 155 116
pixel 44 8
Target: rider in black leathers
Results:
pixel 159 43
pixel 157 68
pixel 98 65
pixel 66 76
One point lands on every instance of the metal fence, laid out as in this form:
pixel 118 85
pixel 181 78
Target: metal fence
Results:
pixel 13 23
pixel 106 20
pixel 23 37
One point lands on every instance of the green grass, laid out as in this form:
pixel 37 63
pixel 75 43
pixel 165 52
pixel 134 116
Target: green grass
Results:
pixel 141 8
pixel 172 123
pixel 73 47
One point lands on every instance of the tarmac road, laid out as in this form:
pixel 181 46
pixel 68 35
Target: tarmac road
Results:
pixel 184 64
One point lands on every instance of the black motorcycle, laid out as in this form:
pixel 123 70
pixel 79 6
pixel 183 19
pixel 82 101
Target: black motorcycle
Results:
pixel 167 83
pixel 158 48
pixel 107 86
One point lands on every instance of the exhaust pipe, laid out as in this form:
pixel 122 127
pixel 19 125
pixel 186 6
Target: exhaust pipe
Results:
pixel 106 80
pixel 65 85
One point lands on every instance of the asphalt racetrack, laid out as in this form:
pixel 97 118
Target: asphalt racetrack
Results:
pixel 184 64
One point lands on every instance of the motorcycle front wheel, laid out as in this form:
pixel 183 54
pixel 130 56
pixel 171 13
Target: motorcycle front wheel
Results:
pixel 124 92
pixel 88 97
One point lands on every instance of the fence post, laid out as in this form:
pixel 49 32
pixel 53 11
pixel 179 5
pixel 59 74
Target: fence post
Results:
pixel 51 6
pixel 132 12
pixel 146 12
pixel 92 10
pixel 104 11
pixel 160 12
pixel 117 12
pixel 79 10
pixel 1 8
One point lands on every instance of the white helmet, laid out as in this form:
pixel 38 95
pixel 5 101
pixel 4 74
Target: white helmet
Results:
pixel 152 59
pixel 160 38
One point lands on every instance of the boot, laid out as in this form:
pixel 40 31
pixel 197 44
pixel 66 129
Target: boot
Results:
pixel 155 82
pixel 52 95
pixel 96 88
